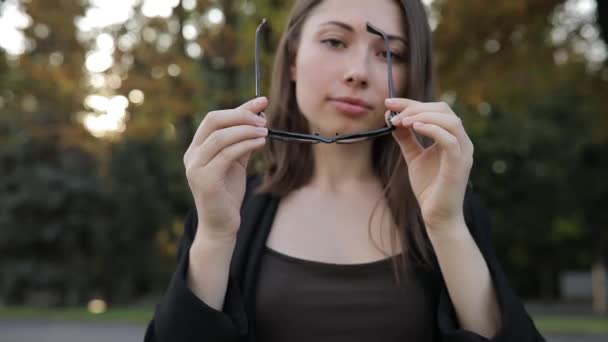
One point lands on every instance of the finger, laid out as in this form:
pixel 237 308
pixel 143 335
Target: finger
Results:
pixel 409 145
pixel 236 152
pixel 398 104
pixel 438 107
pixel 442 137
pixel 256 105
pixel 451 123
pixel 387 116
pixel 222 139
pixel 246 114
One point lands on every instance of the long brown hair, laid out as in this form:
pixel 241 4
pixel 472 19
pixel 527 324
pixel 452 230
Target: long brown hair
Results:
pixel 289 166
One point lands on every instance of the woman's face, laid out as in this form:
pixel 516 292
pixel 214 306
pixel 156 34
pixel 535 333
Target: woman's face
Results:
pixel 340 69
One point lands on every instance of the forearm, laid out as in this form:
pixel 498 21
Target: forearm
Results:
pixel 209 268
pixel 467 278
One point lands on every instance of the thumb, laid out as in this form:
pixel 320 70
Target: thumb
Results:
pixel 409 145
pixel 256 105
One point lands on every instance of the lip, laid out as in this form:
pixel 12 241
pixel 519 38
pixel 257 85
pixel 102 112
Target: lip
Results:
pixel 351 106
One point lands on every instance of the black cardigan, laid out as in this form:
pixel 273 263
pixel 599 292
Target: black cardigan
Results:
pixel 181 316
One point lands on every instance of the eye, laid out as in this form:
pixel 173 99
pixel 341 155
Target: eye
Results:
pixel 395 56
pixel 333 42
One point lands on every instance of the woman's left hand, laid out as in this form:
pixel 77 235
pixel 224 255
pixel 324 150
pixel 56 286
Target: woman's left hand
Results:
pixel 438 174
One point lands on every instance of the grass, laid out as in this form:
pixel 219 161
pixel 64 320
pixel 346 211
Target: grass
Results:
pixel 547 324
pixel 554 324
pixel 117 315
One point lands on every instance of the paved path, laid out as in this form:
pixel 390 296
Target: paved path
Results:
pixel 36 331
pixel 575 338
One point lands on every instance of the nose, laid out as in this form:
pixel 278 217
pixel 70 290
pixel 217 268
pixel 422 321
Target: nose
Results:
pixel 357 69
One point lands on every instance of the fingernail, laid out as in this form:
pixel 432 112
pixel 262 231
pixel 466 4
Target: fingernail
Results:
pixel 389 101
pixel 259 101
pixel 260 120
pixel 395 119
pixel 262 130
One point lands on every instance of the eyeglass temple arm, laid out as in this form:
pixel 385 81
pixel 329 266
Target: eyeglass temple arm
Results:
pixel 373 29
pixel 257 58
pixel 374 133
pixel 391 85
pixel 302 136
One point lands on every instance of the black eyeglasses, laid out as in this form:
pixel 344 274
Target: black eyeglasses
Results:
pixel 316 137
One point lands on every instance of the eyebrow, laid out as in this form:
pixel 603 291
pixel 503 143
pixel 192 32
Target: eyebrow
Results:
pixel 351 29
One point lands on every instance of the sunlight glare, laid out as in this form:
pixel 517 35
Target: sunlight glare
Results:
pixel 117 106
pixel 12 21
pixel 98 103
pixel 215 16
pixel 103 13
pixel 97 80
pixel 102 125
pixel 105 42
pixel 97 306
pixel 99 61
pixel 581 7
pixel 189 5
pixel 193 50
pixel 189 31
pixel 112 121
pixel 574 26
pixel 136 96
pixel 159 8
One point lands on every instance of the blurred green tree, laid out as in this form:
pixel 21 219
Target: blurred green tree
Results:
pixel 534 106
pixel 532 98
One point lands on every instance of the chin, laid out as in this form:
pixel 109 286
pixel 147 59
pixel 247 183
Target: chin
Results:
pixel 348 129
pixel 331 122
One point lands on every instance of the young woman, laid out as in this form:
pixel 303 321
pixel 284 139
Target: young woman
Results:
pixel 343 235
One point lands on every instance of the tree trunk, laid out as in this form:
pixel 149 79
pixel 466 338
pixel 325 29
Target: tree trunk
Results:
pixel 598 288
pixel 598 282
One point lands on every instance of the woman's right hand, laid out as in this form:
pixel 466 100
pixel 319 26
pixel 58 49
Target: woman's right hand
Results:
pixel 216 165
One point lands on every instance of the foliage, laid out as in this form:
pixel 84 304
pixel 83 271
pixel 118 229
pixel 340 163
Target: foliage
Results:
pixel 52 219
pixel 533 121
pixel 82 216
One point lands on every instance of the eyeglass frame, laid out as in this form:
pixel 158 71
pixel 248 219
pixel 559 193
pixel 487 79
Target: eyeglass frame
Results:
pixel 316 137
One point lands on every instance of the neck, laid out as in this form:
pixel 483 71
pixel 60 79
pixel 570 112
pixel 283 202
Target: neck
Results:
pixel 341 168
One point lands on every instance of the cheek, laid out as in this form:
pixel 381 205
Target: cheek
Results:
pixel 309 93
pixel 400 80
pixel 380 82
pixel 312 67
pixel 313 78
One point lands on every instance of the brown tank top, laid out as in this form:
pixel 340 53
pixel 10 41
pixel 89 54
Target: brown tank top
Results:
pixel 303 300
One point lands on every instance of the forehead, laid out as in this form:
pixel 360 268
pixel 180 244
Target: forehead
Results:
pixel 387 15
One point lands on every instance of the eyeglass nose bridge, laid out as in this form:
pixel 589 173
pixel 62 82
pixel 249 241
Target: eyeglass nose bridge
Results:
pixel 327 140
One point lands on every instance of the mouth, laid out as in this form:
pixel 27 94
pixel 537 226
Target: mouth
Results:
pixel 351 106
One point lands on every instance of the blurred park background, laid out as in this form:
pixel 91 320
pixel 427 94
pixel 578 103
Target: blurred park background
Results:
pixel 99 100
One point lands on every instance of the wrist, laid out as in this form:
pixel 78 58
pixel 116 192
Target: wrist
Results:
pixel 203 248
pixel 455 229
pixel 215 237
